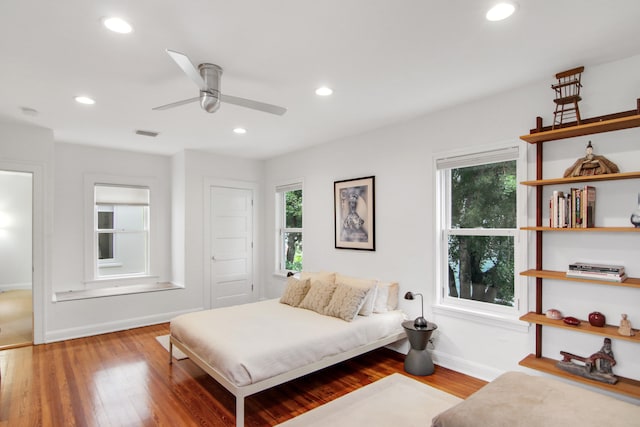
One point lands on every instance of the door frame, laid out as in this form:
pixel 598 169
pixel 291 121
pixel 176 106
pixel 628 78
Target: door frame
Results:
pixel 206 250
pixel 39 232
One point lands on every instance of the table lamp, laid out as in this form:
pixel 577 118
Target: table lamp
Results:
pixel 420 322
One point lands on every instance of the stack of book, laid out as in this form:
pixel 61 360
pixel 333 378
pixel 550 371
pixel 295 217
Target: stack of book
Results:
pixel 573 209
pixel 609 273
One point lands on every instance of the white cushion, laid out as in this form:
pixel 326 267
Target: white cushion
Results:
pixel 386 297
pixel 325 277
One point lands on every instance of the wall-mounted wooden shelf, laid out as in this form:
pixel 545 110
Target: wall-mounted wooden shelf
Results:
pixel 624 386
pixel 576 179
pixel 581 230
pixel 631 282
pixel 539 135
pixel 585 129
pixel 584 326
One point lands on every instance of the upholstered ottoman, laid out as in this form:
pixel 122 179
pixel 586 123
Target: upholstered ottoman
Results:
pixel 515 399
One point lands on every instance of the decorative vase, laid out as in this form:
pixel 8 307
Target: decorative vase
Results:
pixel 635 215
pixel 597 319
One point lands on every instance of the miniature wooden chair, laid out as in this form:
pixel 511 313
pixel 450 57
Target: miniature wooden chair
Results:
pixel 567 96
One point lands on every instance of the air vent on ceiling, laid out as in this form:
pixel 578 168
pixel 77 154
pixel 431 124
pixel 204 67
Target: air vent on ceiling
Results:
pixel 147 133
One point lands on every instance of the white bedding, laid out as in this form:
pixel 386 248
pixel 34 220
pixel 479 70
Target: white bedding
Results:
pixel 252 342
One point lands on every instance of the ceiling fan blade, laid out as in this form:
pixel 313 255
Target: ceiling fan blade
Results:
pixel 177 104
pixel 256 105
pixel 187 66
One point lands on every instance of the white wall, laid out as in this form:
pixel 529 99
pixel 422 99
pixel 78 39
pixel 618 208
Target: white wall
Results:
pixel 401 159
pixel 73 164
pixel 15 229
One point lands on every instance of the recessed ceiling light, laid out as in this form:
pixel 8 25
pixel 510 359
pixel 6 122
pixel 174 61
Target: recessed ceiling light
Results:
pixel 117 25
pixel 240 131
pixel 324 91
pixel 84 100
pixel 501 11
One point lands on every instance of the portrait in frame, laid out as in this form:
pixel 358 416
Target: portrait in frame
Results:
pixel 354 212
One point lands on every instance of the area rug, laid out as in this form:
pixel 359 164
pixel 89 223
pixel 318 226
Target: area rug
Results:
pixel 164 341
pixel 396 400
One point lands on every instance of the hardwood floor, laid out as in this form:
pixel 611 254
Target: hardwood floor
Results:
pixel 124 379
pixel 16 322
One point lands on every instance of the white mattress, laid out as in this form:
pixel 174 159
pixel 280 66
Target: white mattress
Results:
pixel 252 342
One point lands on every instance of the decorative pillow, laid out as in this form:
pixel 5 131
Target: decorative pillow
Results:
pixel 387 297
pixel 318 296
pixel 346 301
pixel 295 291
pixel 325 277
pixel 368 284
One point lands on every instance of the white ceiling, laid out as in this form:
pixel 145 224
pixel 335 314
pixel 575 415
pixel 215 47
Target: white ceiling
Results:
pixel 387 61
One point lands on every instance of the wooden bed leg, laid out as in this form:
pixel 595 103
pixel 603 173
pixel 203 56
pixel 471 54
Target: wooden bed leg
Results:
pixel 239 411
pixel 170 352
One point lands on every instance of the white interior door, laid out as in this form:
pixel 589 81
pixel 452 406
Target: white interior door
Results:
pixel 231 246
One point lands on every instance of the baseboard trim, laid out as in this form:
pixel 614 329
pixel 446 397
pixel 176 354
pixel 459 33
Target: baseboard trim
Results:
pixel 15 287
pixel 107 327
pixel 466 367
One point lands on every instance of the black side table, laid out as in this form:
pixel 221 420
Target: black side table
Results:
pixel 418 360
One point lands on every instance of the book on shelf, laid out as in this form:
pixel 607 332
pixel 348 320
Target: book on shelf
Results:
pixel 609 277
pixel 588 206
pixel 573 209
pixel 598 268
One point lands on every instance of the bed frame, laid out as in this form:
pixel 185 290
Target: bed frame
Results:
pixel 240 392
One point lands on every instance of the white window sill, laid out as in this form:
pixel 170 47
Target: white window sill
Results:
pixel 496 320
pixel 283 274
pixel 113 291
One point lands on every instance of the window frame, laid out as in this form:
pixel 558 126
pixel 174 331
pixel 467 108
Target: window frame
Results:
pixel 280 222
pixel 91 278
pixel 488 313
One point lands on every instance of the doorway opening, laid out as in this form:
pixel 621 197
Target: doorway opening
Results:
pixel 16 251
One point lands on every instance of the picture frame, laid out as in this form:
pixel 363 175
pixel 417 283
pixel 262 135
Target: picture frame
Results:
pixel 354 213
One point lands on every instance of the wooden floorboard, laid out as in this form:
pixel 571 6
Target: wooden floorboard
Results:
pixel 124 379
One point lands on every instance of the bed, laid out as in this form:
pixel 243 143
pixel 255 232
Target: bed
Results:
pixel 252 347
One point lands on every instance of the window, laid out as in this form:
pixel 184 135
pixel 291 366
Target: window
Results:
pixel 479 250
pixel 121 230
pixel 289 227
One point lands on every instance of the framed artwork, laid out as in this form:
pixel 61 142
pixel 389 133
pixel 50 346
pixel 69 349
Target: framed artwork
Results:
pixel 354 211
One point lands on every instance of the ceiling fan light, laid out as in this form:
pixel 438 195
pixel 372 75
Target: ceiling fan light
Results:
pixel 84 100
pixel 117 25
pixel 324 91
pixel 501 11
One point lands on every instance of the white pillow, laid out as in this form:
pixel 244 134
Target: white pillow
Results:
pixel 368 284
pixel 386 297
pixel 325 277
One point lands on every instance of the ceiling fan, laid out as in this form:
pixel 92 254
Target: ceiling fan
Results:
pixel 207 77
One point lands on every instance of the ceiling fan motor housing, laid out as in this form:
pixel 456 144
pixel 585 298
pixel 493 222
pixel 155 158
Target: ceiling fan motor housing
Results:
pixel 210 95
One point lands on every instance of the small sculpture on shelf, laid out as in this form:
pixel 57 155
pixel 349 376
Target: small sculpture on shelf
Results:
pixel 553 313
pixel 597 367
pixel 625 327
pixel 591 164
